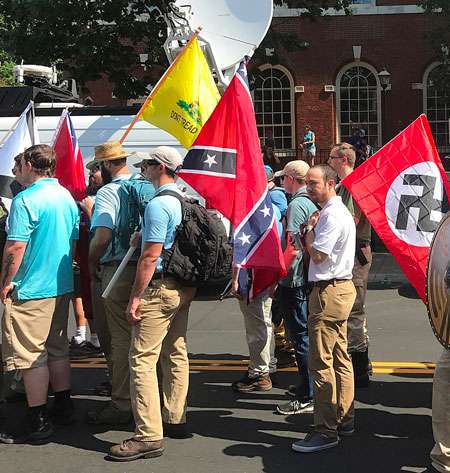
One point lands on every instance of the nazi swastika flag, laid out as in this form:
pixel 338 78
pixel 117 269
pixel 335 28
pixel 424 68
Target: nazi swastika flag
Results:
pixel 403 190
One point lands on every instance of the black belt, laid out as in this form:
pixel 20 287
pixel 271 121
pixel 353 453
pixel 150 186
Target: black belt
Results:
pixel 327 282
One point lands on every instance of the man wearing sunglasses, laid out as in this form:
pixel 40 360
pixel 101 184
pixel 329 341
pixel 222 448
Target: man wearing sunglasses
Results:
pixel 157 311
pixel 342 159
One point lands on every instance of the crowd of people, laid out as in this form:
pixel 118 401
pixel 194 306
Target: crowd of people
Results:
pixel 141 325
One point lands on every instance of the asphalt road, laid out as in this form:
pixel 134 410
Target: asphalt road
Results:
pixel 240 433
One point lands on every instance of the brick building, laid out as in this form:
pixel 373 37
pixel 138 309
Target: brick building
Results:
pixel 333 84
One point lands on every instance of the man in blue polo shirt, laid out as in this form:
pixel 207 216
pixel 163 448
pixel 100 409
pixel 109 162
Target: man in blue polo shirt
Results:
pixel 36 288
pixel 158 311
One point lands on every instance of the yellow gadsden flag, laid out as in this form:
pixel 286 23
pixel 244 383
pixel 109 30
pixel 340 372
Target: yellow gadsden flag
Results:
pixel 185 96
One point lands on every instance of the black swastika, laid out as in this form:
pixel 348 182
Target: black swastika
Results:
pixel 425 203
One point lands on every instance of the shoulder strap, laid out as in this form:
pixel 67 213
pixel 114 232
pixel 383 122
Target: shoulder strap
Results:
pixel 306 196
pixel 173 194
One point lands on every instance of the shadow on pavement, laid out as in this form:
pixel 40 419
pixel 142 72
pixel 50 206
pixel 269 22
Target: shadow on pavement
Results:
pixel 385 441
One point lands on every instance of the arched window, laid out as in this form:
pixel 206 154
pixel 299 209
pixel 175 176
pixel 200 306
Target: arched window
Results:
pixel 358 102
pixel 274 106
pixel 436 108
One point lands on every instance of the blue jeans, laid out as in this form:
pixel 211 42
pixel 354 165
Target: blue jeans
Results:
pixel 294 307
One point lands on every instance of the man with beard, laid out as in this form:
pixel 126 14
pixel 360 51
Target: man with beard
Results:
pixel 105 254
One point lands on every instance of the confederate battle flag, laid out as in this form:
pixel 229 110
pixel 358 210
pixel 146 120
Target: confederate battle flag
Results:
pixel 225 166
pixel 403 189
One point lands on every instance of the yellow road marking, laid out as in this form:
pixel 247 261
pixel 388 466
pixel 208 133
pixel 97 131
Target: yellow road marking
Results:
pixel 379 367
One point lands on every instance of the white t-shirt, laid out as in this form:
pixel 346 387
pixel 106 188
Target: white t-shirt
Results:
pixel 335 235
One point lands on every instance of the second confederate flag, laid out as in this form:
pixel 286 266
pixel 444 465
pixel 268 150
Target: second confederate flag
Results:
pixel 225 166
pixel 403 191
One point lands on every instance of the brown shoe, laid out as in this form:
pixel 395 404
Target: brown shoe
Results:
pixel 132 449
pixel 247 384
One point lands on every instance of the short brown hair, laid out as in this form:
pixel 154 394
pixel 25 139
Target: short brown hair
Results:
pixel 42 159
pixel 327 171
pixel 346 150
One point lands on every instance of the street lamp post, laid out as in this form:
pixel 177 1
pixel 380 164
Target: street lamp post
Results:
pixel 385 81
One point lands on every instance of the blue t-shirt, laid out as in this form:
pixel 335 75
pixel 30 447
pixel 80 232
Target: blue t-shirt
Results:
pixel 106 213
pixel 162 216
pixel 46 217
pixel 308 137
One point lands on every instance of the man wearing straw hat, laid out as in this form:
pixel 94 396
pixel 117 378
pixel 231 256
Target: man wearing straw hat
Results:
pixel 105 254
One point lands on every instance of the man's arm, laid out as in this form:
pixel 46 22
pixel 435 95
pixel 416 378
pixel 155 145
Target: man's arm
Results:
pixel 12 259
pixel 97 248
pixel 144 273
pixel 316 255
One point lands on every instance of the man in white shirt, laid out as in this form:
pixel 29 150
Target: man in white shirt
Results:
pixel 330 241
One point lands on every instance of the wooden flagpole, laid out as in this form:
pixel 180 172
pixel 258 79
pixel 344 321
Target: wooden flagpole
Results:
pixel 158 85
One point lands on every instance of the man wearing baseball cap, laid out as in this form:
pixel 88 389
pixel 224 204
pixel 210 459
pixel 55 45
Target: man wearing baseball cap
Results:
pixel 158 313
pixel 293 289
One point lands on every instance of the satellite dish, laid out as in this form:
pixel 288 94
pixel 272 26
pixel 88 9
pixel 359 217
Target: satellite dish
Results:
pixel 233 28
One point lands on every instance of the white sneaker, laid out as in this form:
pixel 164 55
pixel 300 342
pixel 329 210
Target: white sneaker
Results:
pixel 296 407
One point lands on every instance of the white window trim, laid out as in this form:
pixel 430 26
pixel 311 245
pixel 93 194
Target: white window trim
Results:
pixel 264 67
pixel 426 75
pixel 338 97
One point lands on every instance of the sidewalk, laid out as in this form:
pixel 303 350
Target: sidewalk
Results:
pixel 385 271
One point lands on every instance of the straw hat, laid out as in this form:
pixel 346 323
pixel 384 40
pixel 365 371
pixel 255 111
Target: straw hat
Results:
pixel 110 150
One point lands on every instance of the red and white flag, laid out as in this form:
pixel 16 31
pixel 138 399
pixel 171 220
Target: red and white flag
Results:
pixel 69 164
pixel 403 190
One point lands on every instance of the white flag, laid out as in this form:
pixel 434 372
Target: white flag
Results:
pixel 24 135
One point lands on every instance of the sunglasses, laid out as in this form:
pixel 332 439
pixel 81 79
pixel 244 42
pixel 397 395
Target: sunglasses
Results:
pixel 151 162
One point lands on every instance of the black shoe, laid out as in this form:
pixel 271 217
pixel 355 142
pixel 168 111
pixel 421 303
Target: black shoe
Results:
pixel 103 389
pixel 15 396
pixel 176 431
pixel 39 428
pixel 63 412
pixel 80 351
pixel 285 359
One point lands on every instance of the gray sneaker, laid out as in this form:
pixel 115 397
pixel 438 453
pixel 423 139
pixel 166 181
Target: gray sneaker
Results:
pixel 315 442
pixel 296 407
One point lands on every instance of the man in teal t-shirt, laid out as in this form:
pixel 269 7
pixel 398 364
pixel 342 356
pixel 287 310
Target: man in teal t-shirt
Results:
pixel 36 288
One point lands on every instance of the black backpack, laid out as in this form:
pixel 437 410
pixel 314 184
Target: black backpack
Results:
pixel 202 253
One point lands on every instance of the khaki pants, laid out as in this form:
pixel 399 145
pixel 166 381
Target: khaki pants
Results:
pixel 34 331
pixel 161 334
pixel 259 335
pixel 440 455
pixel 120 331
pixel 358 338
pixel 329 362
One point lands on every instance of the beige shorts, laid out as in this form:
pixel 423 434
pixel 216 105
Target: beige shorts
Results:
pixel 35 332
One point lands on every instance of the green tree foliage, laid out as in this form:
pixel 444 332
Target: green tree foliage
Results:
pixel 6 61
pixel 439 37
pixel 88 39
